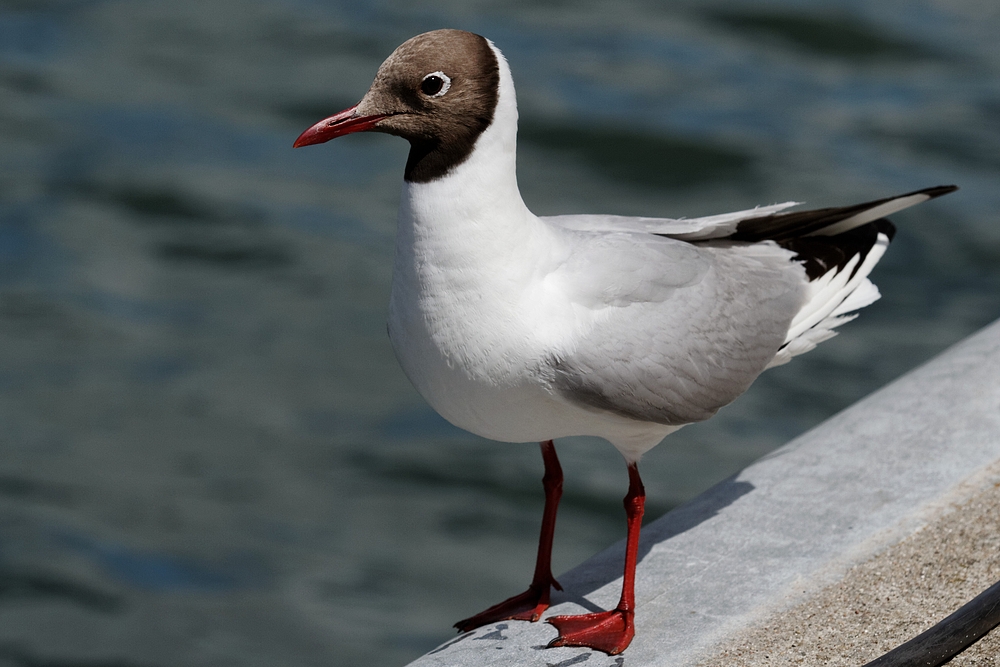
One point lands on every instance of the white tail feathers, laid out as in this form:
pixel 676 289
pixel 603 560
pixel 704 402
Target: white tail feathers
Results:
pixel 829 302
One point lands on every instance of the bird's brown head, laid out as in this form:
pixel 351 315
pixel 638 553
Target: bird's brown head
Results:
pixel 438 90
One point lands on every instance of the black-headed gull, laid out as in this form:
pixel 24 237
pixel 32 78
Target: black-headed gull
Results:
pixel 524 328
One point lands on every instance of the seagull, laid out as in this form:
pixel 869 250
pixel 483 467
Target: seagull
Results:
pixel 523 328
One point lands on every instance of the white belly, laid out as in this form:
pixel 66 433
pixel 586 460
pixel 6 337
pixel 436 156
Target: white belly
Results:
pixel 490 382
pixel 470 376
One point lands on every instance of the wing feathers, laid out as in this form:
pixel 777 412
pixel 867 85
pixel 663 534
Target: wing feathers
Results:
pixel 677 354
pixel 685 229
pixel 829 221
pixel 823 303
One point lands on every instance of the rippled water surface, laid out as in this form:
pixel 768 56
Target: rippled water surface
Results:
pixel 208 455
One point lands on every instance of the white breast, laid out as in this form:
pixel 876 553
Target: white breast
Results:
pixel 458 313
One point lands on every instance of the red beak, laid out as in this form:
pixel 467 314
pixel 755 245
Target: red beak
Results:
pixel 337 125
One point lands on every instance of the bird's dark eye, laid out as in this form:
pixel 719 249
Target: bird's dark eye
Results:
pixel 435 84
pixel 432 85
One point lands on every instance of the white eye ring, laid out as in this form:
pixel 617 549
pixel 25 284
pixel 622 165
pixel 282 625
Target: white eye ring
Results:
pixel 445 83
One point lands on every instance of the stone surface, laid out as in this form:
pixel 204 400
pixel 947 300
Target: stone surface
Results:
pixel 890 598
pixel 785 528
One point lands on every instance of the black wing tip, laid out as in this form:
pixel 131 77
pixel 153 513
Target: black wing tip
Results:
pixel 936 191
pixel 791 224
pixel 820 254
pixel 885 226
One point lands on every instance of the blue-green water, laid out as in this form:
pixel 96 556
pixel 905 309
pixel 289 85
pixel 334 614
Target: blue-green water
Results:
pixel 208 455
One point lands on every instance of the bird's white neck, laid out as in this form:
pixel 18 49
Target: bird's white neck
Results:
pixel 478 198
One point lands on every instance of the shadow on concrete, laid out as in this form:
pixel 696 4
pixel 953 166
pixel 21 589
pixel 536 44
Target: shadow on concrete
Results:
pixel 692 513
pixel 606 566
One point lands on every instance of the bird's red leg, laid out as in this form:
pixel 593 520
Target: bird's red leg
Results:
pixel 529 605
pixel 611 631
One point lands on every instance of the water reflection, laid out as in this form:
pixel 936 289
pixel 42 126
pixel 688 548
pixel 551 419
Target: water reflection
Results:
pixel 639 158
pixel 838 35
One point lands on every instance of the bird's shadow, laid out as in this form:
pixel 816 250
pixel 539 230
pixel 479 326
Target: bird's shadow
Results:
pixel 606 566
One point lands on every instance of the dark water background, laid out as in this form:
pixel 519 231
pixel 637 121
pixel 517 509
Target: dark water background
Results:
pixel 208 455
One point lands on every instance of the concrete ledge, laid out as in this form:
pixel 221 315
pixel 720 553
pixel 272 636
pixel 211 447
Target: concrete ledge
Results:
pixel 787 525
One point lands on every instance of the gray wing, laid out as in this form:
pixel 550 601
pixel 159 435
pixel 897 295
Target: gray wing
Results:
pixel 681 331
pixel 764 222
pixel 688 229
